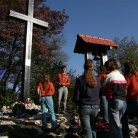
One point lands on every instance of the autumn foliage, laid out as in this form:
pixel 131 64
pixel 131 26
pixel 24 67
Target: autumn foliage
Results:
pixel 46 48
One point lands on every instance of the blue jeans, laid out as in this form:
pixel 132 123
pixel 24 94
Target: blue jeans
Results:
pixel 47 103
pixel 116 109
pixel 62 92
pixel 88 120
pixel 104 109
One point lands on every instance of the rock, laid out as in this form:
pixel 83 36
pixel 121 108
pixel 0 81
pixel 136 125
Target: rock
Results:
pixel 30 126
pixel 133 127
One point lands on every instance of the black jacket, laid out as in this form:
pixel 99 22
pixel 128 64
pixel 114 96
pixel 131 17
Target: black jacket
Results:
pixel 86 95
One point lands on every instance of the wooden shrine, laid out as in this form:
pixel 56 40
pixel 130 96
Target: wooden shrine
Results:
pixel 94 47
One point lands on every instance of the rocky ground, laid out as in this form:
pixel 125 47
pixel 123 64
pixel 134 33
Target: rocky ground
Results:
pixel 30 127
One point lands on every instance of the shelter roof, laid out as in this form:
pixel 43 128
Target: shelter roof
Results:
pixel 86 43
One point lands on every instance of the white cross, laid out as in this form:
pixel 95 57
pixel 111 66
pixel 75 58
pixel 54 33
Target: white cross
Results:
pixel 27 65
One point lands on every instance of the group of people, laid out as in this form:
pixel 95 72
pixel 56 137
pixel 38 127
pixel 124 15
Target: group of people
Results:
pixel 46 90
pixel 23 109
pixel 116 89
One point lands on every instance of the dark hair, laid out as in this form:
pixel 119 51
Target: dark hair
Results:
pixel 48 75
pixel 89 76
pixel 64 66
pixel 130 69
pixel 111 65
pixel 102 69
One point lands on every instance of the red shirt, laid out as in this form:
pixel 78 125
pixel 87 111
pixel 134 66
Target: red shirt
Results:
pixel 102 77
pixel 48 90
pixel 132 87
pixel 61 78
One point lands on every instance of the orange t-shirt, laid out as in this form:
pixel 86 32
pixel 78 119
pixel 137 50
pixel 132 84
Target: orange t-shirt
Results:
pixel 102 77
pixel 132 87
pixel 46 89
pixel 63 79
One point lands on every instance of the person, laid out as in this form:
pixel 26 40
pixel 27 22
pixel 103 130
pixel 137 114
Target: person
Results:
pixel 131 75
pixel 63 81
pixel 86 96
pixel 114 87
pixel 46 89
pixel 19 109
pixel 103 100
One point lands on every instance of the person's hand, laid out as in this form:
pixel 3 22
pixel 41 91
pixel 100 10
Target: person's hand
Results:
pixel 63 84
pixel 39 99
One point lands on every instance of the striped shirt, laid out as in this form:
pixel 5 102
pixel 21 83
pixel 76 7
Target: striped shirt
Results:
pixel 114 86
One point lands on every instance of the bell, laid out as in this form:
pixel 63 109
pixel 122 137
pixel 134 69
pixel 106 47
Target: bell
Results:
pixel 96 57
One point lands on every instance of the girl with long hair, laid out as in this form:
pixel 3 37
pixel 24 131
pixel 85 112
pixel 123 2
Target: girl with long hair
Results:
pixel 131 75
pixel 86 96
pixel 46 90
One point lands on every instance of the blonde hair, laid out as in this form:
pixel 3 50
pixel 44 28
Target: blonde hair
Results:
pixel 89 76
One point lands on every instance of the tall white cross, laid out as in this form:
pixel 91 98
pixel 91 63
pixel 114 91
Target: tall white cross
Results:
pixel 27 65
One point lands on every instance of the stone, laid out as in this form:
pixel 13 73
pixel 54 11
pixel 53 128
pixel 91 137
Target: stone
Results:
pixel 31 126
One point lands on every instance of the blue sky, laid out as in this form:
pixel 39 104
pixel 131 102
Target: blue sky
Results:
pixel 100 18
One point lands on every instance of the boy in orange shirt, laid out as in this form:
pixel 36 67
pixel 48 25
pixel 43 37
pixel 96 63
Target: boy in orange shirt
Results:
pixel 63 81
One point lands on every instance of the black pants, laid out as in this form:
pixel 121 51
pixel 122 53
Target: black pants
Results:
pixel 18 109
pixel 131 112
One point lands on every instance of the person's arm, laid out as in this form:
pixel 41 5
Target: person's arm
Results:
pixel 104 85
pixel 52 88
pixel 68 81
pixel 57 80
pixel 39 91
pixel 127 82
